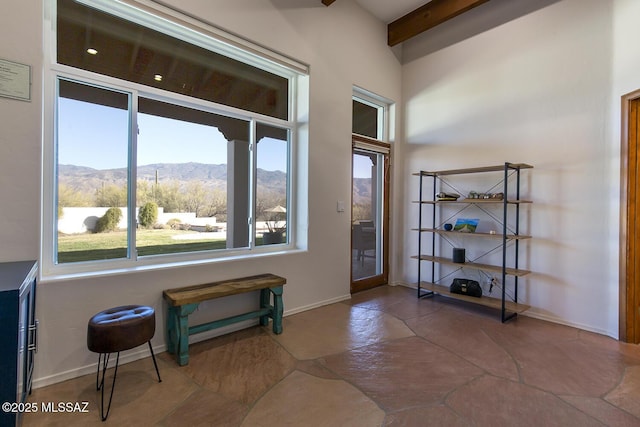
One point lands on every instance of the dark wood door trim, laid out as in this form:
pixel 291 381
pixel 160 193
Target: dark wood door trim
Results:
pixel 382 279
pixel 629 270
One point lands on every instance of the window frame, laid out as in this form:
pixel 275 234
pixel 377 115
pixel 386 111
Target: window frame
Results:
pixel 287 68
pixel 382 107
pixel 381 146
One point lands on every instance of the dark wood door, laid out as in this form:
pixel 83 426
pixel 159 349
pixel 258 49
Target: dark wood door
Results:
pixel 630 221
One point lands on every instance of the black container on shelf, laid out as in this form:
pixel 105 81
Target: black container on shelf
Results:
pixel 458 255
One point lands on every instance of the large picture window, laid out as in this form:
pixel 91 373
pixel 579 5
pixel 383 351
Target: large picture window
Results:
pixel 163 150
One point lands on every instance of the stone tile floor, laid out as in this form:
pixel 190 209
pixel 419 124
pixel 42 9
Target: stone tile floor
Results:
pixel 383 358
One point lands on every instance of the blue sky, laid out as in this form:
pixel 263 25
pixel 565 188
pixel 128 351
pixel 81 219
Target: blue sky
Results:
pixel 96 136
pixel 91 135
pixel 361 166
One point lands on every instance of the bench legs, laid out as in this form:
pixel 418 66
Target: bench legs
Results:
pixel 178 331
pixel 265 298
pixel 278 309
pixel 178 322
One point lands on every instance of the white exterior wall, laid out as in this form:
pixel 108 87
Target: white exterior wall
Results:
pixel 543 89
pixel 83 219
pixel 343 45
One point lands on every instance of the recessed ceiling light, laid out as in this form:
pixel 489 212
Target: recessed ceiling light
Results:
pixel 157 77
pixel 92 51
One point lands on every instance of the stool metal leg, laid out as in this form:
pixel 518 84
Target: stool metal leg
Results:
pixel 100 380
pixel 103 360
pixel 101 385
pixel 98 384
pixel 153 356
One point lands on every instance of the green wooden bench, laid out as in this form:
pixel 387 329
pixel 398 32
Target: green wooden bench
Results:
pixel 184 301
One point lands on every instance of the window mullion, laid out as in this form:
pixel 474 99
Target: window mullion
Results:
pixel 254 182
pixel 132 176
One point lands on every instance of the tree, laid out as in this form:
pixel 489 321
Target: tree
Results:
pixel 168 196
pixel 144 192
pixel 361 211
pixel 195 197
pixel 216 205
pixel 69 197
pixel 268 200
pixel 148 214
pixel 111 195
pixel 109 221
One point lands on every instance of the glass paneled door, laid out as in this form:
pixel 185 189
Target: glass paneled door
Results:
pixel 369 206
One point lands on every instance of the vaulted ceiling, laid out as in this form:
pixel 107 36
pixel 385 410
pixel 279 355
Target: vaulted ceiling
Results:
pixel 408 18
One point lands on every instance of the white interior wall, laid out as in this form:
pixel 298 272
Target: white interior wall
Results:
pixel 625 79
pixel 343 45
pixel 543 89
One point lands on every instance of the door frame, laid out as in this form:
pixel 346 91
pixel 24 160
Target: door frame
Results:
pixel 360 142
pixel 629 269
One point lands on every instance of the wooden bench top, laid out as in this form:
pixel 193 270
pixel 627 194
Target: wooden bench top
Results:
pixel 207 291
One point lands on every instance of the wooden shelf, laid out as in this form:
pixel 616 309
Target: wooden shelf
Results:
pixel 497 168
pixel 472 201
pixel 500 201
pixel 476 265
pixel 457 233
pixel 484 300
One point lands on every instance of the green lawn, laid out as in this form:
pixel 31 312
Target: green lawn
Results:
pixel 90 247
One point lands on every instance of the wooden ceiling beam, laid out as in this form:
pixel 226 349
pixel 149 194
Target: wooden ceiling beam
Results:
pixel 327 2
pixel 425 17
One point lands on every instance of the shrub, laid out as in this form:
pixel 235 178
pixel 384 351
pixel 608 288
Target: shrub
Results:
pixel 174 223
pixel 109 221
pixel 148 214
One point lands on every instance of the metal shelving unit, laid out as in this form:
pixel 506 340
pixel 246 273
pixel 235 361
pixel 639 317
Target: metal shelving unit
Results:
pixel 510 237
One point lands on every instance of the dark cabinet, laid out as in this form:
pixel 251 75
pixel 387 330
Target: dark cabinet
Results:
pixel 18 335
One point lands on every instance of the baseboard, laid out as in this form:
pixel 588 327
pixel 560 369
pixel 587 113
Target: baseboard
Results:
pixel 127 357
pixel 400 283
pixel 405 284
pixel 553 319
pixel 143 351
pixel 316 305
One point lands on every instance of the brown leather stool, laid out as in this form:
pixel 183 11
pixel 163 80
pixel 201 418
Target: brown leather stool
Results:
pixel 115 330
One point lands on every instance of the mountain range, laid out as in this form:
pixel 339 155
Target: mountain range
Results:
pixel 86 179
pixel 82 178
